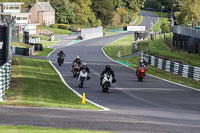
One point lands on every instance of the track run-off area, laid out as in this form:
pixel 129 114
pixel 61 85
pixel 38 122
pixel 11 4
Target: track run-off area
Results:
pixel 153 106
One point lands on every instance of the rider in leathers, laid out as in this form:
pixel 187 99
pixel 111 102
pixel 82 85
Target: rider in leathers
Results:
pixel 87 69
pixel 77 60
pixel 109 71
pixel 61 54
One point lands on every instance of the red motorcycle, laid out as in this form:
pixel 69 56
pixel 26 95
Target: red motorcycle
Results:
pixel 141 73
pixel 76 70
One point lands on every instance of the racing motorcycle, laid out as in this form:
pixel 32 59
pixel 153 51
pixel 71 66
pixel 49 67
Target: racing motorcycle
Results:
pixel 75 70
pixel 141 73
pixel 82 78
pixel 60 60
pixel 106 82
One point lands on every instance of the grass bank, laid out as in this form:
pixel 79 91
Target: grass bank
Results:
pixel 154 48
pixel 55 30
pixel 46 50
pixel 119 48
pixel 36 83
pixel 21 45
pixel 139 19
pixel 33 129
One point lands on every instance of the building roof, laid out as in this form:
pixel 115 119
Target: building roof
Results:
pixel 16 3
pixel 45 6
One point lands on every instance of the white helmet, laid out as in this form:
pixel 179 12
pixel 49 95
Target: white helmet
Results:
pixel 141 61
pixel 77 57
pixel 84 64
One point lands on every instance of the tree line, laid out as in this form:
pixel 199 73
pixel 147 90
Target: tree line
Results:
pixel 92 12
pixel 186 10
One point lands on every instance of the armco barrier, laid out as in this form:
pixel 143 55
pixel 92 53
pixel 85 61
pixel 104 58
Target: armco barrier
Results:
pixel 5 78
pixel 174 67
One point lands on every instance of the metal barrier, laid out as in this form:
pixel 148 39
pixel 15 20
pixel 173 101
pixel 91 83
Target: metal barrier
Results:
pixel 89 33
pixel 5 77
pixel 195 33
pixel 174 67
pixel 34 40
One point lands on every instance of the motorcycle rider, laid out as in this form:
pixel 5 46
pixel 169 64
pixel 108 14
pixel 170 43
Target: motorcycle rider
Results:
pixel 61 55
pixel 141 62
pixel 77 60
pixel 84 66
pixel 109 71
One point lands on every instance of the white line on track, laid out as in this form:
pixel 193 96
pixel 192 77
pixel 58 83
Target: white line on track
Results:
pixel 61 77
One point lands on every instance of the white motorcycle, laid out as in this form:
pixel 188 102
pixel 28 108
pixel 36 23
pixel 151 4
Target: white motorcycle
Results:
pixel 106 82
pixel 82 78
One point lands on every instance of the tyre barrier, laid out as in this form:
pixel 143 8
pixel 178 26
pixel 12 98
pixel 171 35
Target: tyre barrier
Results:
pixel 34 40
pixel 5 78
pixel 173 67
pixel 23 51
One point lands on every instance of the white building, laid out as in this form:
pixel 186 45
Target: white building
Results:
pixel 12 9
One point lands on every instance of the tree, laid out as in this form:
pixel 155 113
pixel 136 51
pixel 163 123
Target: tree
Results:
pixel 84 13
pixel 189 11
pixel 64 11
pixel 104 10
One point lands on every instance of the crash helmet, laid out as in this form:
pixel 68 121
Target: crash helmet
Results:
pixel 77 57
pixel 107 66
pixel 84 65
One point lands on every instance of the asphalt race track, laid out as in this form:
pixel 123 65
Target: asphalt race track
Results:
pixel 153 106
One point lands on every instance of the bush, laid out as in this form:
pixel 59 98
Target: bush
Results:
pixel 54 26
pixel 63 26
pixel 60 26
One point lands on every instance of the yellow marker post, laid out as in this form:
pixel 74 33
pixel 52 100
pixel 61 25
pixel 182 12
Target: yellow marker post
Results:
pixel 83 99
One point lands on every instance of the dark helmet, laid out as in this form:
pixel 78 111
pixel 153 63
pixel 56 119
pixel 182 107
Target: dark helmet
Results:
pixel 107 66
pixel 61 50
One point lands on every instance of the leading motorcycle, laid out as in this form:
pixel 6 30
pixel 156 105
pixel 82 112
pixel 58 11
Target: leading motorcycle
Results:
pixel 141 73
pixel 82 78
pixel 106 82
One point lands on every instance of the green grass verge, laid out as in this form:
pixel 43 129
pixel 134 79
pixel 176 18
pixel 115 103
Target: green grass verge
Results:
pixel 165 19
pixel 44 53
pixel 55 31
pixel 139 19
pixel 163 74
pixel 122 47
pixel 46 50
pixel 20 45
pixel 154 48
pixel 36 83
pixel 34 129
pixel 41 37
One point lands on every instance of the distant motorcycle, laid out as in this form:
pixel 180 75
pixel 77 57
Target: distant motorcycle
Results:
pixel 75 70
pixel 82 78
pixel 141 73
pixel 60 60
pixel 106 82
